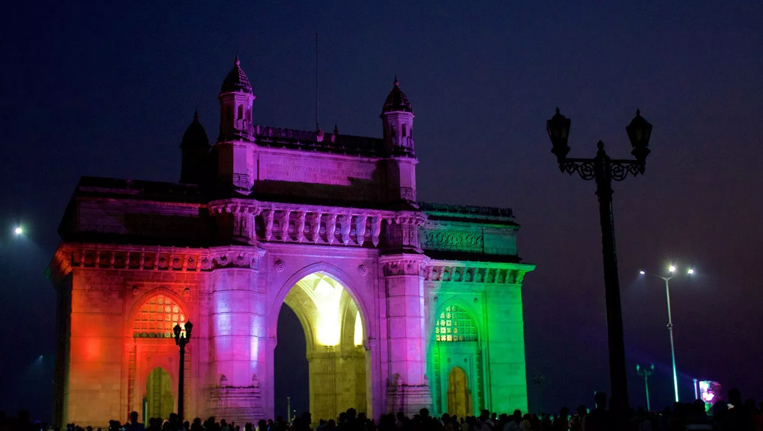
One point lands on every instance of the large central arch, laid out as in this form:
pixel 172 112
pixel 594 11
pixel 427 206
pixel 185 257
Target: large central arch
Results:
pixel 335 333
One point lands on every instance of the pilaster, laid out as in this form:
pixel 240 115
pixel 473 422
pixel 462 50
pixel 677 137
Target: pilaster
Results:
pixel 237 335
pixel 407 385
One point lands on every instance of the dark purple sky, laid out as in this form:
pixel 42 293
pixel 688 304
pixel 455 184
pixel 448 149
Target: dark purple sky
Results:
pixel 106 90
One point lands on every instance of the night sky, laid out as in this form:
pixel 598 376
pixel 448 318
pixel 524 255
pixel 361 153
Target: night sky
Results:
pixel 103 89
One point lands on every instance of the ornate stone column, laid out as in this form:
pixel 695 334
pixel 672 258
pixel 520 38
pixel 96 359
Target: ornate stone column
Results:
pixel 403 266
pixel 237 335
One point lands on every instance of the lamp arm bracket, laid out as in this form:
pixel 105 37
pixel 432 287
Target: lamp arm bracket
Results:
pixel 620 169
pixel 586 168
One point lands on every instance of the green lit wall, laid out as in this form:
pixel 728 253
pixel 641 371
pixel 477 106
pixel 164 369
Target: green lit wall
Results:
pixel 484 302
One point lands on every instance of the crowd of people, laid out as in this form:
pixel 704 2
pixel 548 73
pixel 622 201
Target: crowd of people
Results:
pixel 732 415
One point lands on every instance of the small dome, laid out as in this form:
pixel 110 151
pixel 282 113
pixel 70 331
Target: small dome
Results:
pixel 397 101
pixel 195 135
pixel 236 81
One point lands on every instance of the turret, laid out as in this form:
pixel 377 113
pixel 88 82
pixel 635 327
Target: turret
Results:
pixel 194 150
pixel 234 144
pixel 397 121
pixel 236 99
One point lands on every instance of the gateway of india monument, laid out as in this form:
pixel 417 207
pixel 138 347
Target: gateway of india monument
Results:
pixel 404 304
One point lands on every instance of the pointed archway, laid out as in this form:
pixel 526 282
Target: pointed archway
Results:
pixel 333 329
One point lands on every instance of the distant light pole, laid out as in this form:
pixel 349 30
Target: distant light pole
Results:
pixel 696 393
pixel 538 380
pixel 288 410
pixel 182 341
pixel 603 170
pixel 646 372
pixel 672 270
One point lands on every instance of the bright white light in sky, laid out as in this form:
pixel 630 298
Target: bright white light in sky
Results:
pixel 18 230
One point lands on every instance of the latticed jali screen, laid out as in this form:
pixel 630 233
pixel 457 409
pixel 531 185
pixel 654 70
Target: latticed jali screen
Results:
pixel 157 317
pixel 455 324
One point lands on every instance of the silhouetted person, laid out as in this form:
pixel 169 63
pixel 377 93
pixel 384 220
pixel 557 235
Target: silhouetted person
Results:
pixel 696 417
pixel 740 417
pixel 561 423
pixel 133 424
pixel 515 422
pixel 599 419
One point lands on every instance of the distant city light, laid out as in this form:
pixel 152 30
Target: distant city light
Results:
pixel 690 271
pixel 18 230
pixel 642 272
pixel 672 268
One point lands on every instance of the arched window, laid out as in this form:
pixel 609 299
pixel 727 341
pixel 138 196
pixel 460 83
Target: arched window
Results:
pixel 455 324
pixel 404 130
pixel 157 317
pixel 240 112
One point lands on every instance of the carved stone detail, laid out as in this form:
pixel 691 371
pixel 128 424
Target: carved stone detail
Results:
pixel 476 272
pixel 279 265
pixel 362 270
pixel 404 265
pixel 301 226
pixel 331 228
pixel 360 228
pixel 171 259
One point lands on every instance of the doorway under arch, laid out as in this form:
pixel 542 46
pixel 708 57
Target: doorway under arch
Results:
pixel 337 360
pixel 160 401
pixel 459 395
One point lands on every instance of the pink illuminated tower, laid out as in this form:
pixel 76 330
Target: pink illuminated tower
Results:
pixel 404 304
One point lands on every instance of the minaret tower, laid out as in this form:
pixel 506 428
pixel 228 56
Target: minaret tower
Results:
pixel 235 166
pixel 194 150
pixel 397 120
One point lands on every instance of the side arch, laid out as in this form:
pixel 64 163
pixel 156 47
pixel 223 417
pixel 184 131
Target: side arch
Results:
pixel 467 355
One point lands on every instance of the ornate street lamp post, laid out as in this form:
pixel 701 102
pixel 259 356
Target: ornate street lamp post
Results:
pixel 603 170
pixel 182 341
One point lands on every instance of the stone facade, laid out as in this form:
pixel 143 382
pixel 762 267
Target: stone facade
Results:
pixel 392 293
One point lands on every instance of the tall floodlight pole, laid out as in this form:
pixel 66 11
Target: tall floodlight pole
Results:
pixel 646 372
pixel 181 340
pixel 672 271
pixel 603 170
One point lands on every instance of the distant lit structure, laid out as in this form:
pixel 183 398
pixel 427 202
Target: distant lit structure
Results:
pixel 710 392
pixel 404 304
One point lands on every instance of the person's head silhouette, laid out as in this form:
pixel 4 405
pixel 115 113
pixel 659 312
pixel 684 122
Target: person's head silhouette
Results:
pixel 600 399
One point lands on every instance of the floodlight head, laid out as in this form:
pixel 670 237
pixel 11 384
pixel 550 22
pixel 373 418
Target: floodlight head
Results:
pixel 642 272
pixel 672 268
pixel 690 271
pixel 18 230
